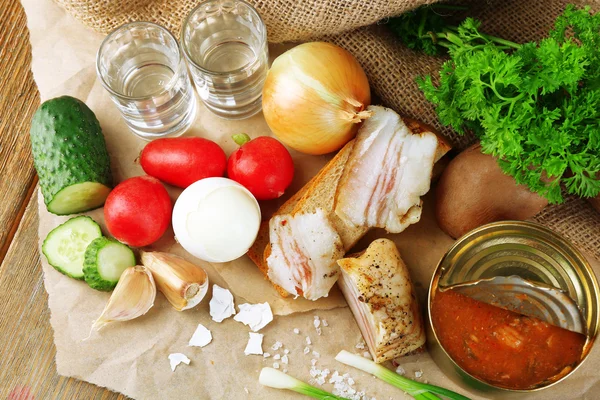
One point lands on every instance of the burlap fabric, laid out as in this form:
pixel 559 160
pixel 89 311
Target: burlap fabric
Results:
pixel 286 20
pixel 359 26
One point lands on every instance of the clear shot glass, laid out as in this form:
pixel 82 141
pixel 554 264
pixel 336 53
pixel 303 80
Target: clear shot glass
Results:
pixel 143 69
pixel 225 43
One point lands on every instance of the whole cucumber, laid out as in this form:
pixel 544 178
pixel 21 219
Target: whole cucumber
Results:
pixel 70 156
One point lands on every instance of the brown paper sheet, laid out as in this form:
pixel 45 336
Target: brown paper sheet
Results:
pixel 131 357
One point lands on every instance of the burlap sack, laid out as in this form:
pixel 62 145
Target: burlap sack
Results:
pixel 390 66
pixel 286 20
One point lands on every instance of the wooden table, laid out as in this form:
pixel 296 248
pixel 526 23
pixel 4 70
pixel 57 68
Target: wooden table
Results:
pixel 27 368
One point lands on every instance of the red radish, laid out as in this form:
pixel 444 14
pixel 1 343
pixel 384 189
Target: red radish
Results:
pixel 138 211
pixel 262 165
pixel 183 161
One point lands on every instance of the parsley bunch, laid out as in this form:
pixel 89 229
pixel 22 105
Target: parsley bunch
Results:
pixel 536 106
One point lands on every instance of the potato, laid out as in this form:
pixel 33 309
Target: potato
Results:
pixel 595 202
pixel 474 191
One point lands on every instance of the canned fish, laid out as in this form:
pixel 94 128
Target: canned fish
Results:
pixel 502 299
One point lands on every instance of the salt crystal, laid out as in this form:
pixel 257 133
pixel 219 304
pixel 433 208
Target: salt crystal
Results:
pixel 276 357
pixel 324 322
pixel 317 322
pixel 277 346
pixel 246 390
pixel 343 386
pixel 418 374
pixel 318 331
pixel 313 361
pixel 308 342
pixel 286 351
pixel 360 345
pixel 366 354
pixel 306 350
pixel 316 354
pixel 296 331
pixel 284 359
pixel 266 355
pixel 276 365
pixel 335 377
pixel 400 370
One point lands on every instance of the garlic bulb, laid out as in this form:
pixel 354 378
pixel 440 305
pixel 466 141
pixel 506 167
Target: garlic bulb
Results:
pixel 183 283
pixel 315 97
pixel 133 296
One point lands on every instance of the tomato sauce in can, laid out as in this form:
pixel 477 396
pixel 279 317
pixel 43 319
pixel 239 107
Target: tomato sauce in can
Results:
pixel 500 346
pixel 527 303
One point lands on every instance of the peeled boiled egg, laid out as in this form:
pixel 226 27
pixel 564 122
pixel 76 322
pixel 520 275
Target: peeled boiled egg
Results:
pixel 216 219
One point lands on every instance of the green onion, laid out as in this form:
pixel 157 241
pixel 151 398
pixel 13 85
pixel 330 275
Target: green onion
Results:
pixel 276 379
pixel 418 390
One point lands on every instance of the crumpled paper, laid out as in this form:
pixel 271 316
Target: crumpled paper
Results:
pixel 131 357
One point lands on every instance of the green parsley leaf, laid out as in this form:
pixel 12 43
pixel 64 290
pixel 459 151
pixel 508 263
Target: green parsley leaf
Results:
pixel 536 106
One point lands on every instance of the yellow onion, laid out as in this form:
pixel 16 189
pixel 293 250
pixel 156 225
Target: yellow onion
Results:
pixel 315 96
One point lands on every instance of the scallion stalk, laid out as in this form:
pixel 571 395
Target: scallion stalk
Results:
pixel 276 379
pixel 418 390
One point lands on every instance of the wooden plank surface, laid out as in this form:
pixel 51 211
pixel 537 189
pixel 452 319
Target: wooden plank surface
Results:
pixel 27 368
pixel 18 100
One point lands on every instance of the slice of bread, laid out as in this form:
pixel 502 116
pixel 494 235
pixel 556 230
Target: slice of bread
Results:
pixel 319 192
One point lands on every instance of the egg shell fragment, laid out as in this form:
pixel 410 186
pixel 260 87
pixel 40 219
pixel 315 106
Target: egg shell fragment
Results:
pixel 201 337
pixel 221 304
pixel 254 345
pixel 177 358
pixel 256 316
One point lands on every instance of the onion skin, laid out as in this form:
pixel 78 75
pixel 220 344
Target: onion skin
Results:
pixel 315 97
pixel 474 191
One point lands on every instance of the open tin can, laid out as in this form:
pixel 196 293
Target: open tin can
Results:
pixel 523 267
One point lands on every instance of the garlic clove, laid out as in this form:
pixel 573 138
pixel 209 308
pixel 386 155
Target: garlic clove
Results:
pixel 184 284
pixel 133 296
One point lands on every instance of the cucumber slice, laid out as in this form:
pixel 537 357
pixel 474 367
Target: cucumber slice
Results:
pixel 104 262
pixel 79 197
pixel 65 245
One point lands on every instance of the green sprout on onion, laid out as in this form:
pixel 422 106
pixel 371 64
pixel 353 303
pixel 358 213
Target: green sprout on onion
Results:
pixel 276 379
pixel 420 391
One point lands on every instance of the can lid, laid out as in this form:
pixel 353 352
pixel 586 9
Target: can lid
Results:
pixel 537 300
pixel 533 260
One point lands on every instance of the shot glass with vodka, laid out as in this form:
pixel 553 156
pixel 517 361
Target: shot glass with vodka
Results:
pixel 225 44
pixel 142 67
